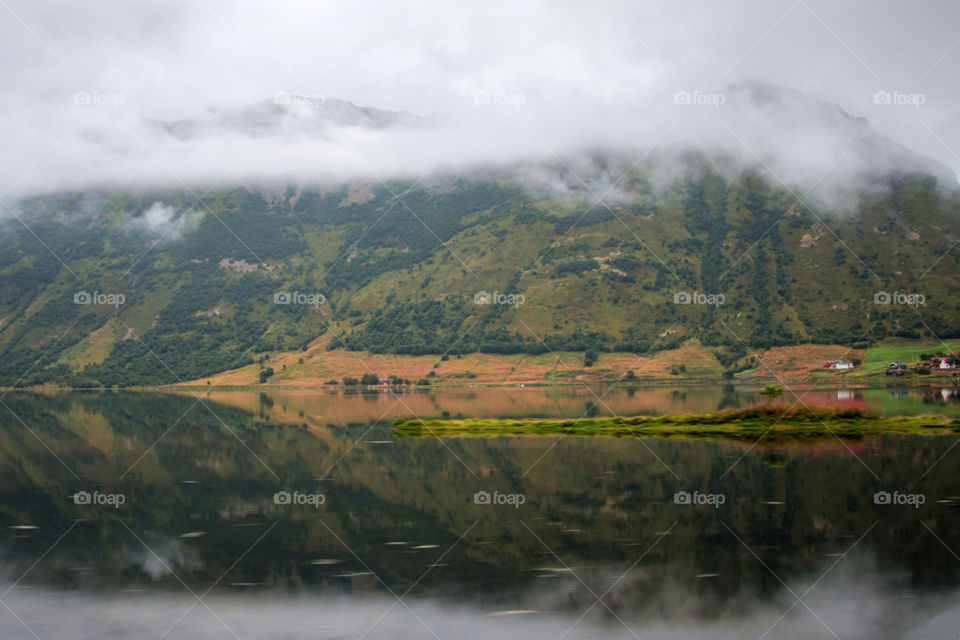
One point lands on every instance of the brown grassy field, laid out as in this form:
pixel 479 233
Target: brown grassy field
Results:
pixel 316 365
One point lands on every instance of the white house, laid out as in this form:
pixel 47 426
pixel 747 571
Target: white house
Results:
pixel 838 364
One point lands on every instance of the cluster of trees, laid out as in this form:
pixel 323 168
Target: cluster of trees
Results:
pixel 401 338
pixel 950 358
pixel 392 239
pixel 370 379
pixel 575 267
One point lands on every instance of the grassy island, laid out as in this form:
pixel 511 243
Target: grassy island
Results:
pixel 776 424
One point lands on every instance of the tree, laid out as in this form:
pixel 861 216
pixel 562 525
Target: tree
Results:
pixel 589 357
pixel 370 379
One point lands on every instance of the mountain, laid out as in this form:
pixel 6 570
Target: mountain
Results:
pixel 789 109
pixel 285 114
pixel 684 246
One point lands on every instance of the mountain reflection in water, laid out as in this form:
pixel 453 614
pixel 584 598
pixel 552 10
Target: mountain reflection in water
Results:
pixel 291 519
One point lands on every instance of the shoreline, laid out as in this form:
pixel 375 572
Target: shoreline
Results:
pixel 842 381
pixel 689 365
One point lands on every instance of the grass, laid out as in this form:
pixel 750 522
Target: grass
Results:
pixel 877 358
pixel 773 423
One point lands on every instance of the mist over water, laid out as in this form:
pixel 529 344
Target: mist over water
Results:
pixel 853 601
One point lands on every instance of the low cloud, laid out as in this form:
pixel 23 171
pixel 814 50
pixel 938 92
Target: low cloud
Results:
pixel 157 218
pixel 164 559
pixel 845 603
pixel 153 95
pixel 809 146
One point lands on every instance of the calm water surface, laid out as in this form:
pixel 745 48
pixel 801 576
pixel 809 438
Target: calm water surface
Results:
pixel 297 515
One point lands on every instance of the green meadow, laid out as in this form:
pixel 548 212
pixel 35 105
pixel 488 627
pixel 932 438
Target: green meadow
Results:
pixel 774 424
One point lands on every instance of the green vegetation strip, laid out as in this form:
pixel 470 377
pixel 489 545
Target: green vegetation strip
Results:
pixel 777 423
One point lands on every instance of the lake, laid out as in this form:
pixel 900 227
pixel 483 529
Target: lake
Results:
pixel 296 514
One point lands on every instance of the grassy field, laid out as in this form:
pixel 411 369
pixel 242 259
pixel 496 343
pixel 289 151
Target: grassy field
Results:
pixel 877 358
pixel 316 365
pixel 774 424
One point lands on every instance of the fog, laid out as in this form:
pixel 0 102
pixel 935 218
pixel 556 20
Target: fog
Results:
pixel 852 613
pixel 493 85
pixel 846 598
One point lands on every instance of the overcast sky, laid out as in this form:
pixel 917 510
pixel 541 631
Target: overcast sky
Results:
pixel 509 80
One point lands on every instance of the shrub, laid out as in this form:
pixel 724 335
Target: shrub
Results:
pixel 589 357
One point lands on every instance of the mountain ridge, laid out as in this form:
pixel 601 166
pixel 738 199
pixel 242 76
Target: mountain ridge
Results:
pixel 424 267
pixel 284 114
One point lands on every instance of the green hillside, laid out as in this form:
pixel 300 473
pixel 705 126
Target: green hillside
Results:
pixel 409 268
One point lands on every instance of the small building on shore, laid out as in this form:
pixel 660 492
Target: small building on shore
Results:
pixel 838 364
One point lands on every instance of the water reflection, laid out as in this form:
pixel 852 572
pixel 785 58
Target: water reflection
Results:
pixel 337 407
pixel 200 511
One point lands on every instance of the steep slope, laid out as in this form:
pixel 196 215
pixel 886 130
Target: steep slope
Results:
pixel 595 253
